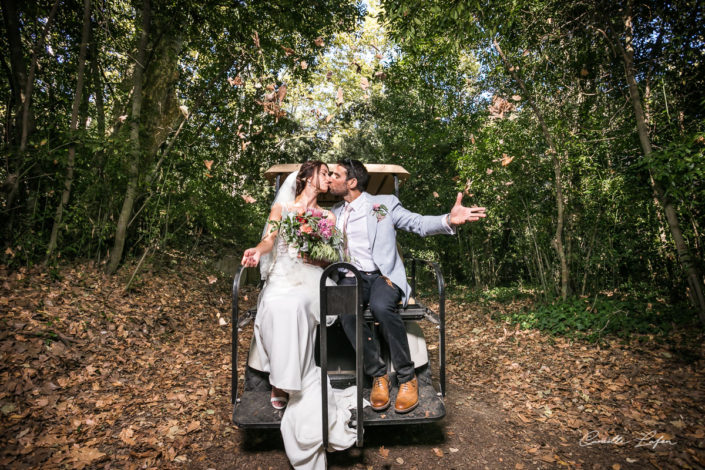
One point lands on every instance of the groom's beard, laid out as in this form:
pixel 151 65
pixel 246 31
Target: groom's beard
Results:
pixel 335 192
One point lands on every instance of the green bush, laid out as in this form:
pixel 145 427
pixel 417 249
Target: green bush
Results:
pixel 502 294
pixel 596 317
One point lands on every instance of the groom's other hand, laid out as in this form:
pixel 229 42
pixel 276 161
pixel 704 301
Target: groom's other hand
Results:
pixel 460 214
pixel 250 258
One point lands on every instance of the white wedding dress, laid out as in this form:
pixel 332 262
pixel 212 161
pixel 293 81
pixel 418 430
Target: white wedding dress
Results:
pixel 287 314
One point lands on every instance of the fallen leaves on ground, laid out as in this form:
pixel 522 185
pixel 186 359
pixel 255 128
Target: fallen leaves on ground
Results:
pixel 643 390
pixel 92 374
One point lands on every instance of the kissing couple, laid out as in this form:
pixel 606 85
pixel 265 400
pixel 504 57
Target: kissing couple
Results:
pixel 289 304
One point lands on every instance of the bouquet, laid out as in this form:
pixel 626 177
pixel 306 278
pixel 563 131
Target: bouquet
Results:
pixel 311 235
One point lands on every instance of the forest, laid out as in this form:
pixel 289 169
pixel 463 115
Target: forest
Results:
pixel 133 129
pixel 135 135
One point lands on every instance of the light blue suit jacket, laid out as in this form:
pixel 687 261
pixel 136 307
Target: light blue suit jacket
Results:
pixel 383 236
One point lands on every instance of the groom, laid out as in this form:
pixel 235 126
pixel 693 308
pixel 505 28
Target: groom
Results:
pixel 369 226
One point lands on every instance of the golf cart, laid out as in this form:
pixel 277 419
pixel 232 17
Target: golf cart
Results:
pixel 334 353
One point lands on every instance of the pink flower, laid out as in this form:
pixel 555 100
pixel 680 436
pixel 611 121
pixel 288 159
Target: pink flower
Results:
pixel 313 212
pixel 380 211
pixel 325 228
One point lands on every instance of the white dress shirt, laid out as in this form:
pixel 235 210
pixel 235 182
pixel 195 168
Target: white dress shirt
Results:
pixel 358 241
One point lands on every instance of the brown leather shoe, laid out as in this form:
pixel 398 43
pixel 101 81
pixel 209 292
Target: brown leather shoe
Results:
pixel 408 396
pixel 379 396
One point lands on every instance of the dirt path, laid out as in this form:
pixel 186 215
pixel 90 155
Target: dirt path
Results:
pixel 93 377
pixel 474 435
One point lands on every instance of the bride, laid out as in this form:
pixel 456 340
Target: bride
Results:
pixel 287 314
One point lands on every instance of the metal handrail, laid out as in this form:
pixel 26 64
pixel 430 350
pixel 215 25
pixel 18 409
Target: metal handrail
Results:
pixel 323 350
pixel 234 334
pixel 441 315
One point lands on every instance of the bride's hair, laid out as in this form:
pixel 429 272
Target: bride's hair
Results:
pixel 308 169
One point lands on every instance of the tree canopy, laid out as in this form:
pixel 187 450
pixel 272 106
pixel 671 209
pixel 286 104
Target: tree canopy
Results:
pixel 131 128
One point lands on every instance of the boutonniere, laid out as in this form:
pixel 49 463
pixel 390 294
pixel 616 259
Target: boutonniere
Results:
pixel 380 211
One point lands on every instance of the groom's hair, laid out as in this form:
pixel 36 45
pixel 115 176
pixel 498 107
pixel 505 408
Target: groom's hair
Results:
pixel 356 169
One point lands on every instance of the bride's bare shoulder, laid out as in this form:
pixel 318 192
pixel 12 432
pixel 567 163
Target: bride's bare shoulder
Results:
pixel 275 211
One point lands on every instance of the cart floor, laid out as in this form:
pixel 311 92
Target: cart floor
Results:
pixel 254 411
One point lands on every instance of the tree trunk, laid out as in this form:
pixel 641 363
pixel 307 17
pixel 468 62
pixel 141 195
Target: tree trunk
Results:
pixel 557 241
pixel 29 85
pixel 99 103
pixel 16 174
pixel 66 194
pixel 18 67
pixel 133 181
pixel 589 253
pixel 694 280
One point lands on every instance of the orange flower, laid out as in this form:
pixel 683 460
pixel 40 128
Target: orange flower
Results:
pixel 306 228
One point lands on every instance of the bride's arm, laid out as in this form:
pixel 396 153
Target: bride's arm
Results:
pixel 252 255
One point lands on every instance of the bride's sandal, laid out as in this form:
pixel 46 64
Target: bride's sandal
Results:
pixel 279 401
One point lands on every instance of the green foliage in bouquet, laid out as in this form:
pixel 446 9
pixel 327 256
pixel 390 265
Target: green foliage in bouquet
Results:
pixel 311 234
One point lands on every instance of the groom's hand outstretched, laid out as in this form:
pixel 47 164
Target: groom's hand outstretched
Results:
pixel 460 214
